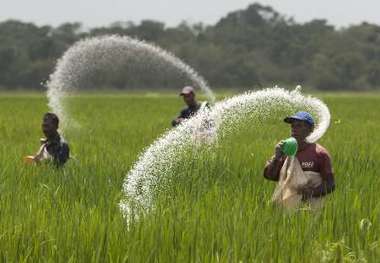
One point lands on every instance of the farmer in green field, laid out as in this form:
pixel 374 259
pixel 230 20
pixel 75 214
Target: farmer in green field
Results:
pixel 315 160
pixel 193 106
pixel 53 147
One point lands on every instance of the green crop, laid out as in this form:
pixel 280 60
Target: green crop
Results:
pixel 216 207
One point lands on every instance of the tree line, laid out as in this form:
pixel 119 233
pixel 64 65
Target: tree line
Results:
pixel 250 48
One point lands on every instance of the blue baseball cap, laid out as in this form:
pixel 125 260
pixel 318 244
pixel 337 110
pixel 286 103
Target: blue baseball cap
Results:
pixel 301 116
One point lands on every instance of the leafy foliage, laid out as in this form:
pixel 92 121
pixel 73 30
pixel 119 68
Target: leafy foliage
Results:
pixel 247 48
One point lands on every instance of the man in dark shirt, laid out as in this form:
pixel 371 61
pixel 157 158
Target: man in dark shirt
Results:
pixel 312 157
pixel 193 106
pixel 53 147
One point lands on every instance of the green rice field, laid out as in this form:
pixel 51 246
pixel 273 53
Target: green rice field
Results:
pixel 217 208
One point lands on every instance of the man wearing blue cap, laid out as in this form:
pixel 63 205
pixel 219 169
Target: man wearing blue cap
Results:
pixel 315 160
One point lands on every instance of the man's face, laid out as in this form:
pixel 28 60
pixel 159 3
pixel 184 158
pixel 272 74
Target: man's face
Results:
pixel 189 99
pixel 48 128
pixel 300 130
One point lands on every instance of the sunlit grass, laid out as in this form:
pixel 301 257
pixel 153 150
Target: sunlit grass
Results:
pixel 218 208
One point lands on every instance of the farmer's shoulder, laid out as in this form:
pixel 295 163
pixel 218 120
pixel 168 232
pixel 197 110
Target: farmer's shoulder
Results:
pixel 65 145
pixel 63 142
pixel 321 151
pixel 185 110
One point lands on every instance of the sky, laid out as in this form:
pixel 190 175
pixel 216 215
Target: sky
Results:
pixel 93 13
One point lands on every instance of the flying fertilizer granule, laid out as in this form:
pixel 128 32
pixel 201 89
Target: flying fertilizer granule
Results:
pixel 83 61
pixel 158 160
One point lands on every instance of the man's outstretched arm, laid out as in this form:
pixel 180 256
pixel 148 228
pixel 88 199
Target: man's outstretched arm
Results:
pixel 272 169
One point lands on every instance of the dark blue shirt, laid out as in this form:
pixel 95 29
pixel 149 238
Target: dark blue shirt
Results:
pixel 188 112
pixel 58 149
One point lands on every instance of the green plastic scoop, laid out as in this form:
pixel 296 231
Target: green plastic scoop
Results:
pixel 289 146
